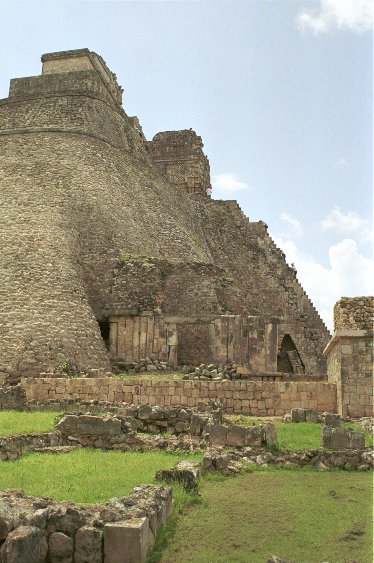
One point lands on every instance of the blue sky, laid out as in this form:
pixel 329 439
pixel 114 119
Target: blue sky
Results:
pixel 279 90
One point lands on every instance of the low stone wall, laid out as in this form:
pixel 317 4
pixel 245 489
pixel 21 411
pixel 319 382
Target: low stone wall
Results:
pixel 241 436
pixel 36 530
pixel 12 397
pixel 218 459
pixel 336 437
pixel 12 447
pixel 247 397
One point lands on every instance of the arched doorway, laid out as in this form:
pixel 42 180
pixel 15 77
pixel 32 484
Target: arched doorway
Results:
pixel 289 360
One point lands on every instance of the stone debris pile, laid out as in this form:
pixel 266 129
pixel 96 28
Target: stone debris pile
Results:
pixel 216 372
pixel 146 364
pixel 130 419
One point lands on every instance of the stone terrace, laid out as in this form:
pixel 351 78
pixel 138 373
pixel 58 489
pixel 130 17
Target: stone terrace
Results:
pixel 247 397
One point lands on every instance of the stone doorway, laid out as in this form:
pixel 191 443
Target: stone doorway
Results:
pixel 289 360
pixel 104 331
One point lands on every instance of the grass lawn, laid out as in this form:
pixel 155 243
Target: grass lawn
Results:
pixel 295 435
pixel 300 516
pixel 86 475
pixel 15 422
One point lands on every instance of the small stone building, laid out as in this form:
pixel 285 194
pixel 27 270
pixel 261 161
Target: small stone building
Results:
pixel 112 247
pixel 350 355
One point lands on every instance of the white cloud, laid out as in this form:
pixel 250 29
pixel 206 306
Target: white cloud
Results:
pixel 342 163
pixel 228 182
pixel 353 15
pixel 348 274
pixel 292 223
pixel 349 223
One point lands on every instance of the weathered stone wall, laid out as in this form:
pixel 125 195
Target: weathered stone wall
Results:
pixel 258 281
pixel 249 397
pixel 82 189
pixel 35 530
pixel 12 397
pixel 247 341
pixel 74 205
pixel 179 155
pixel 350 356
pixel 354 313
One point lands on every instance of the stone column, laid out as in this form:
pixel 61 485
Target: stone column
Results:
pixel 271 347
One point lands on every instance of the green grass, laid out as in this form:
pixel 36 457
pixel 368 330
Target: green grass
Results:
pixel 296 435
pixel 86 475
pixel 15 422
pixel 303 516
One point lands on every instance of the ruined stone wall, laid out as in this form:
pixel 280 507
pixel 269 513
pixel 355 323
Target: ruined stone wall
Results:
pixel 354 313
pixel 258 281
pixel 179 156
pixel 145 284
pixel 350 356
pixel 98 223
pixel 248 397
pixel 73 201
pixel 37 529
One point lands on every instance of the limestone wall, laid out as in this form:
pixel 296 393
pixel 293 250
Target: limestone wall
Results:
pixel 82 189
pixel 258 281
pixel 354 313
pixel 350 356
pixel 179 156
pixel 254 398
pixel 73 201
pixel 38 529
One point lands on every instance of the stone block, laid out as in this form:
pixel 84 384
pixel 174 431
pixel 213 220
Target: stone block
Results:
pixel 60 548
pixel 144 412
pixel 25 544
pixel 236 436
pixel 88 545
pixel 331 419
pixel 255 436
pixel 311 415
pixel 270 434
pixel 357 440
pixel 336 437
pixel 126 541
pixel 186 472
pixel 217 435
pixel 196 426
pixel 298 415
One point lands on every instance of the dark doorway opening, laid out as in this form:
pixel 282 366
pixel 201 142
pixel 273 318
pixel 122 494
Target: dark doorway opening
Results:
pixel 289 360
pixel 104 331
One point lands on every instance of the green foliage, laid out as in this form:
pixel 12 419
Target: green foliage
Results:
pixel 224 281
pixel 123 259
pixel 297 515
pixel 65 367
pixel 86 475
pixel 15 422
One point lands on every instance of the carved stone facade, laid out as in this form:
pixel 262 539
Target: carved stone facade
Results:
pixel 102 228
